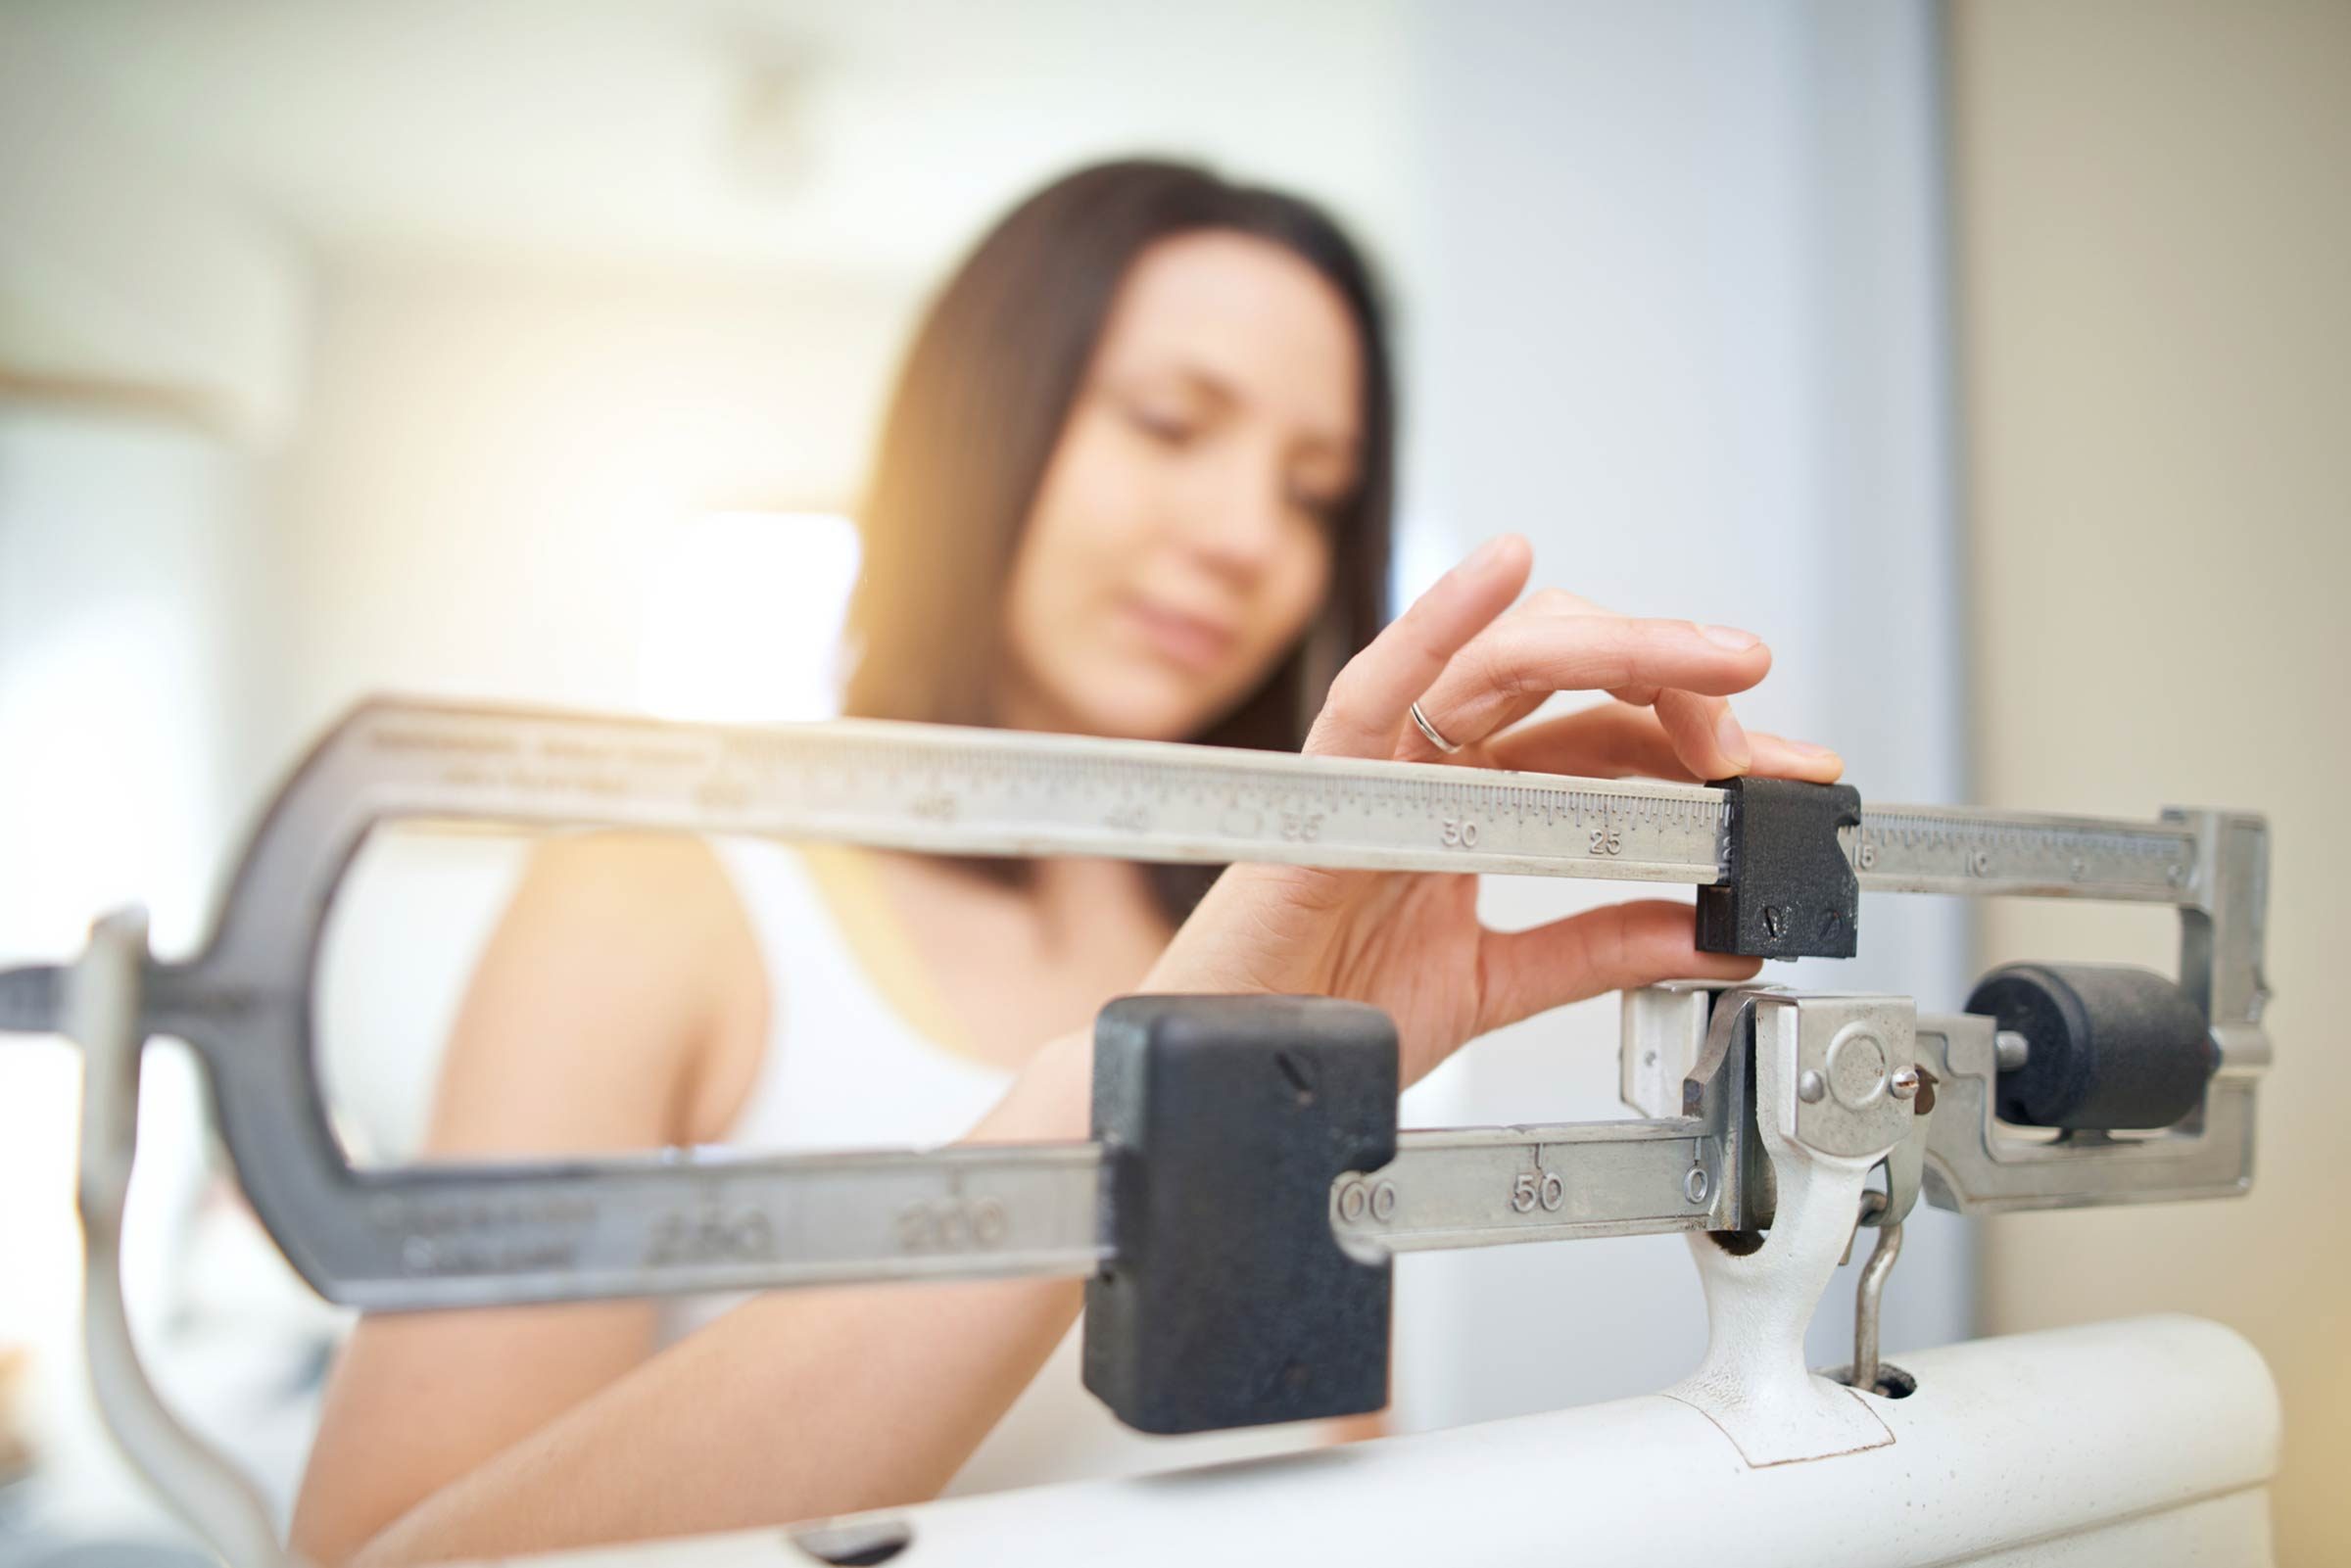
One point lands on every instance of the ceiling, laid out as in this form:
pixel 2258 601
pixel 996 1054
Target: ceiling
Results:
pixel 870 137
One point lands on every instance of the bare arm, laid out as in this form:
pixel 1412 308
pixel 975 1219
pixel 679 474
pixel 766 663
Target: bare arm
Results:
pixel 605 1002
pixel 795 1405
pixel 621 1004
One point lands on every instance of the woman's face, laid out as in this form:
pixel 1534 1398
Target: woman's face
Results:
pixel 1180 541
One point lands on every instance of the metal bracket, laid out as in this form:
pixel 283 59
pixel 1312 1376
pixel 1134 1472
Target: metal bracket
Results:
pixel 1975 1165
pixel 1754 1383
pixel 1690 1045
pixel 102 1012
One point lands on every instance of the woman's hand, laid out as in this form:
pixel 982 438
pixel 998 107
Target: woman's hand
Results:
pixel 1411 942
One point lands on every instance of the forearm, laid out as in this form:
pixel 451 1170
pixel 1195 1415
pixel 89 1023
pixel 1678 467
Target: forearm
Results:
pixel 795 1405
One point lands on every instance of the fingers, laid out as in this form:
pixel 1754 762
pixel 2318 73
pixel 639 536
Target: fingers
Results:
pixel 1508 671
pixel 1616 741
pixel 1711 744
pixel 1706 736
pixel 1546 601
pixel 1524 972
pixel 1600 652
pixel 1476 675
pixel 1777 757
pixel 1368 702
pixel 1612 740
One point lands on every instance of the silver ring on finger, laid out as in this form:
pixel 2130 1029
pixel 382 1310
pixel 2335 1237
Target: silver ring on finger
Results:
pixel 1435 737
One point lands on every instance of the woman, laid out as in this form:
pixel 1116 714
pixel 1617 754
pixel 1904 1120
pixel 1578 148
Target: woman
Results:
pixel 1135 481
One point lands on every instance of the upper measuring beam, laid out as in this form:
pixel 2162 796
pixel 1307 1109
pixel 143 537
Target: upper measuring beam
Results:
pixel 998 792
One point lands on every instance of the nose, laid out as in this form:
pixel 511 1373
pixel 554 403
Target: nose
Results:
pixel 1236 523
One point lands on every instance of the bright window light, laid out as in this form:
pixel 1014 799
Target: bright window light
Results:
pixel 744 617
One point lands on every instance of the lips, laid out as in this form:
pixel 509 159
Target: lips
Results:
pixel 1195 643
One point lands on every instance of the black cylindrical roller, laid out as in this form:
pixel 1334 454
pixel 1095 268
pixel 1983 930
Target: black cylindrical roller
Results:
pixel 2112 1047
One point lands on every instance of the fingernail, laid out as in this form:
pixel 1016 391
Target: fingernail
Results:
pixel 1730 738
pixel 1729 637
pixel 1805 748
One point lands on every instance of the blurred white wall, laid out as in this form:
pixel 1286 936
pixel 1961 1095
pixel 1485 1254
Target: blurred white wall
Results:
pixel 1682 322
pixel 1670 278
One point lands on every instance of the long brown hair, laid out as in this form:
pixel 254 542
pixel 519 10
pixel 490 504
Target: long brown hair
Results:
pixel 979 404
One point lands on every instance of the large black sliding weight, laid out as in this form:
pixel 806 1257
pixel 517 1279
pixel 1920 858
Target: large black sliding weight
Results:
pixel 1226 1119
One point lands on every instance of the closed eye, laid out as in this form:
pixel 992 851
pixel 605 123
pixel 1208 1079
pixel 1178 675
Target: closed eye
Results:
pixel 1162 425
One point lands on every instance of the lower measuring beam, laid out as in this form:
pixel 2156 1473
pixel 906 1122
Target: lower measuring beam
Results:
pixel 435 1237
pixel 1235 1216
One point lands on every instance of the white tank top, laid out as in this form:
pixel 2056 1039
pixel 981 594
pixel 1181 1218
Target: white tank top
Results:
pixel 856 1058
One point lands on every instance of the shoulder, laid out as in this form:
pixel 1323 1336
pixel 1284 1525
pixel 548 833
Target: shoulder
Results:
pixel 650 901
pixel 658 908
pixel 640 939
pixel 603 872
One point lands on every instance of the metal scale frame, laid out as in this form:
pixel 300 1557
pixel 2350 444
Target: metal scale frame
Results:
pixel 2142 1086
